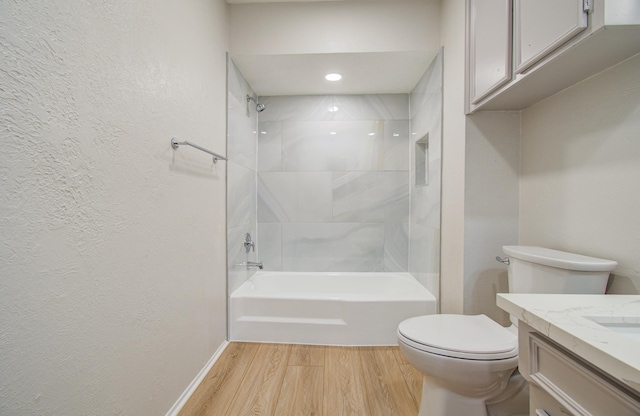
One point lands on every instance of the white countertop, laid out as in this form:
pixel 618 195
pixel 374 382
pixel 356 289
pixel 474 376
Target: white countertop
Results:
pixel 564 319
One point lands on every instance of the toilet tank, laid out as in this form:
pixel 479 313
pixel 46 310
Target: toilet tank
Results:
pixel 542 270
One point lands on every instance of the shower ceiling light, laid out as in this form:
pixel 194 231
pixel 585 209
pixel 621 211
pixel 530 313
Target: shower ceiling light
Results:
pixel 333 77
pixel 333 109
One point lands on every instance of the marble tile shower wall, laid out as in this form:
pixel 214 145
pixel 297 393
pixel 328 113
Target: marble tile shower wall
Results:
pixel 426 121
pixel 242 121
pixel 333 183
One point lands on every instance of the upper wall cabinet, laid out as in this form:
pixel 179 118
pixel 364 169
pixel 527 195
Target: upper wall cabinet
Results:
pixel 537 32
pixel 489 23
pixel 522 51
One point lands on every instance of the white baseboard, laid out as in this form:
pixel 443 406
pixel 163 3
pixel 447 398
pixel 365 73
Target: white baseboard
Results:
pixel 184 397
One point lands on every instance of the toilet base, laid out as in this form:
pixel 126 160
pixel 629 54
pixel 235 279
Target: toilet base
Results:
pixel 514 400
pixel 437 401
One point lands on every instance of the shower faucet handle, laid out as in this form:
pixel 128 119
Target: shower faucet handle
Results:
pixel 248 243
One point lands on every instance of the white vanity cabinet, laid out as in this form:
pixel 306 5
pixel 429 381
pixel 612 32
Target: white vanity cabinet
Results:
pixel 561 383
pixel 522 51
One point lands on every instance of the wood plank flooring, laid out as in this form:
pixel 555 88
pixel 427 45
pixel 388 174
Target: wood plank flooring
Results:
pixel 298 380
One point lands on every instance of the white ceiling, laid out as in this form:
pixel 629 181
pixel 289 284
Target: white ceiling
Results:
pixel 379 48
pixel 298 1
pixel 363 73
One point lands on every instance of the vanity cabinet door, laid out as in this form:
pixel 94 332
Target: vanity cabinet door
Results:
pixel 489 46
pixel 575 387
pixel 541 26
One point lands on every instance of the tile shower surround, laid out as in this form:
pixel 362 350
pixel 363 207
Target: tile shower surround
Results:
pixel 333 191
pixel 330 196
pixel 241 176
pixel 426 118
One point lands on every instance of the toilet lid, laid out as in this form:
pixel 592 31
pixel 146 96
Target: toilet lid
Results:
pixel 462 336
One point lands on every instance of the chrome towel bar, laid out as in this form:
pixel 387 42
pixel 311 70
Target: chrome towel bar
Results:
pixel 175 144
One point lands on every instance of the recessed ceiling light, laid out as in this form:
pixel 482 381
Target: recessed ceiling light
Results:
pixel 372 134
pixel 332 132
pixel 396 134
pixel 333 109
pixel 333 77
pixel 263 132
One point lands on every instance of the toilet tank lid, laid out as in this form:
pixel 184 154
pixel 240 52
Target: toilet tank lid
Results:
pixel 559 259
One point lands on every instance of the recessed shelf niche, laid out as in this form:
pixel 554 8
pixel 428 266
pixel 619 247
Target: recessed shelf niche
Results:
pixel 422 161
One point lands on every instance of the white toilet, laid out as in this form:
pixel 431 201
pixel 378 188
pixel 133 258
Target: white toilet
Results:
pixel 469 360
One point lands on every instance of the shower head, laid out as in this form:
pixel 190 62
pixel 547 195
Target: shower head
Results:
pixel 259 107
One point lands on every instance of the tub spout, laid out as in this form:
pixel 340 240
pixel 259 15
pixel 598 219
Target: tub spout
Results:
pixel 257 264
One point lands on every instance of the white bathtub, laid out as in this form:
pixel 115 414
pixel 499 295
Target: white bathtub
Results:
pixel 326 308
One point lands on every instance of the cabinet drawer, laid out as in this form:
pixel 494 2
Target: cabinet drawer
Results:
pixel 579 388
pixel 542 404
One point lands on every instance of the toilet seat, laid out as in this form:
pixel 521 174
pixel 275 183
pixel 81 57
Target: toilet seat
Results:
pixel 472 337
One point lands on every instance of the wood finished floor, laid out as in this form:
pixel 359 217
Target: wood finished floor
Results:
pixel 298 380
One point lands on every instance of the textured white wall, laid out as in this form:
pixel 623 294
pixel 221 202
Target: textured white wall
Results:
pixel 112 246
pixel 452 20
pixel 580 178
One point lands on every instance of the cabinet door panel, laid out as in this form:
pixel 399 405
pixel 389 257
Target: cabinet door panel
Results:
pixel 540 26
pixel 580 389
pixel 489 45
